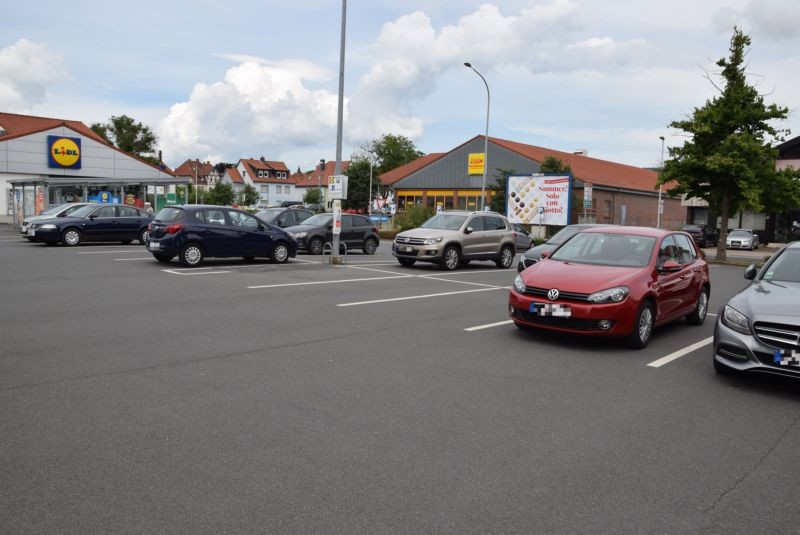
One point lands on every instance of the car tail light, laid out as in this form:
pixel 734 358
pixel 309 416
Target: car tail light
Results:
pixel 375 230
pixel 173 229
pixel 150 227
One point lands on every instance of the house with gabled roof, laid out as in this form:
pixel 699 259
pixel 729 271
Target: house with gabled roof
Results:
pixel 48 161
pixel 270 179
pixel 622 194
pixel 202 174
pixel 317 178
pixel 232 177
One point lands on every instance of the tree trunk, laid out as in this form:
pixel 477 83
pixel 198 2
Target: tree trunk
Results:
pixel 722 255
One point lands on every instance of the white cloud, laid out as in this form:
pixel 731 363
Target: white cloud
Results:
pixel 27 71
pixel 260 108
pixel 773 20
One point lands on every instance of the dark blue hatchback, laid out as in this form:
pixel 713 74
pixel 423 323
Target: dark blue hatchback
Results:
pixel 195 232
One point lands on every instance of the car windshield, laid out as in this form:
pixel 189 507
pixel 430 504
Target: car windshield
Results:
pixel 269 214
pixel 564 234
pixel 740 234
pixel 55 209
pixel 169 214
pixel 628 250
pixel 785 268
pixel 84 211
pixel 318 220
pixel 445 221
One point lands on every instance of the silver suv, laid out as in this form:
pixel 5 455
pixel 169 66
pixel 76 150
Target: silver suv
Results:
pixel 455 237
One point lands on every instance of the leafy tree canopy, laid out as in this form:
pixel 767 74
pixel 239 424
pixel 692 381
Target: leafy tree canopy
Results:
pixel 126 134
pixel 551 164
pixel 728 159
pixel 313 196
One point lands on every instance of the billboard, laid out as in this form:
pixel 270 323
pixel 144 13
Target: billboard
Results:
pixel 539 199
pixel 476 163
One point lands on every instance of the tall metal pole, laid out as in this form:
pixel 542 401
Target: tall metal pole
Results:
pixel 335 258
pixel 661 170
pixel 486 137
pixel 369 197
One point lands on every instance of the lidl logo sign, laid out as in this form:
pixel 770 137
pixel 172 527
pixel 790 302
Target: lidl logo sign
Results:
pixel 65 152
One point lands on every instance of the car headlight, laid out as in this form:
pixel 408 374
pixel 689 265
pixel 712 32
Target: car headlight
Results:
pixel 519 285
pixel 299 234
pixel 48 227
pixel 431 241
pixel 611 295
pixel 735 320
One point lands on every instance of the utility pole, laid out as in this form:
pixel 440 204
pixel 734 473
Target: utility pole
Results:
pixel 660 170
pixel 337 203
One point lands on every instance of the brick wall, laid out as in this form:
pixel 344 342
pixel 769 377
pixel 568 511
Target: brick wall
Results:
pixel 641 210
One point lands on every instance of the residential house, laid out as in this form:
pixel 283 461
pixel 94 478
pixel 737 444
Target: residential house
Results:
pixel 231 176
pixel 201 174
pixel 270 179
pixel 317 178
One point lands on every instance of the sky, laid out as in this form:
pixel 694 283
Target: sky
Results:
pixel 223 80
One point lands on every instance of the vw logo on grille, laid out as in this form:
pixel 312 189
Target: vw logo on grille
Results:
pixel 552 295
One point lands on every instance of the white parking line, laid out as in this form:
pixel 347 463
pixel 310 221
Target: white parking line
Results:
pixel 488 325
pixel 417 297
pixel 311 283
pixel 463 282
pixel 379 270
pixel 678 354
pixel 304 260
pixel 110 252
pixel 195 273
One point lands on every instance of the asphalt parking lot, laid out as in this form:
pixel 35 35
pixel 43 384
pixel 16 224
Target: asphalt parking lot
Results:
pixel 250 397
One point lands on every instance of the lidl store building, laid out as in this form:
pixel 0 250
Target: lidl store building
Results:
pixel 45 162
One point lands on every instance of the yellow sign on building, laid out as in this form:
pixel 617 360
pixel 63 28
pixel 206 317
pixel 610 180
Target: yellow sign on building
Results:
pixel 476 162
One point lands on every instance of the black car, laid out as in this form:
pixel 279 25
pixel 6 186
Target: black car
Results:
pixel 758 329
pixel 194 232
pixel 284 217
pixel 534 254
pixel 358 232
pixel 94 222
pixel 702 234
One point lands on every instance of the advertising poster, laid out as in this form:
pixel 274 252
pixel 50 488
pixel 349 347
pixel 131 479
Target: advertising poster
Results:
pixel 539 199
pixel 39 200
pixel 19 212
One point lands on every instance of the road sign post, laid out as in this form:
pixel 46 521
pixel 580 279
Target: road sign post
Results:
pixel 337 190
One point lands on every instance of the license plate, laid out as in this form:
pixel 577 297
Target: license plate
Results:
pixel 31 233
pixel 786 357
pixel 407 249
pixel 154 246
pixel 551 309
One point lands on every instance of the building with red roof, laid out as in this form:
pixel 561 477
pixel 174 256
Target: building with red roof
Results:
pixel 46 161
pixel 621 193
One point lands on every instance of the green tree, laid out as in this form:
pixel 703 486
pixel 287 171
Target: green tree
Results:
pixel 391 151
pixel 248 195
pixel 728 160
pixel 133 137
pixel 358 196
pixel 313 196
pixel 499 188
pixel 221 194
pixel 551 164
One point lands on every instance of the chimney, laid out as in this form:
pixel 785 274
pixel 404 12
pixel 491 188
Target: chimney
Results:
pixel 322 164
pixel 581 152
pixel 263 160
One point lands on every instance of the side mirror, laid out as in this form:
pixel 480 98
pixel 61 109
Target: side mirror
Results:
pixel 545 254
pixel 92 216
pixel 262 226
pixel 670 266
pixel 330 227
pixel 750 272
pixel 468 230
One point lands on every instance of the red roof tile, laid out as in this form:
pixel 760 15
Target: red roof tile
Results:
pixel 591 170
pixel 13 125
pixel 233 172
pixel 398 173
pixel 318 176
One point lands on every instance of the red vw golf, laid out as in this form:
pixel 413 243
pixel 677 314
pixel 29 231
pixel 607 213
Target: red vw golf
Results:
pixel 614 281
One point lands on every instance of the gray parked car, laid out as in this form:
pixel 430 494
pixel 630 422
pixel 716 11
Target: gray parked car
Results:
pixel 522 238
pixel 758 329
pixel 62 210
pixel 456 237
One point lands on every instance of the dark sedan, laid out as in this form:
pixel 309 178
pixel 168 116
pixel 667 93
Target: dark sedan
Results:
pixel 285 216
pixel 758 330
pixel 94 222
pixel 195 232
pixel 357 232
pixel 534 254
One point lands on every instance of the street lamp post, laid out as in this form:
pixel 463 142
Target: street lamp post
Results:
pixel 661 170
pixel 337 204
pixel 486 137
